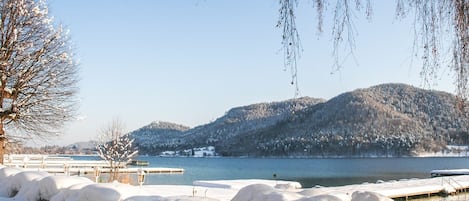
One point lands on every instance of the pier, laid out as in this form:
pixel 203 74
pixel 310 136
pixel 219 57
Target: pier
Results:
pixel 453 172
pixel 68 166
pixel 407 189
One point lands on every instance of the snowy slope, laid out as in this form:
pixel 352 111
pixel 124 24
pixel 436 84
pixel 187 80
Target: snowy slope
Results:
pixel 383 120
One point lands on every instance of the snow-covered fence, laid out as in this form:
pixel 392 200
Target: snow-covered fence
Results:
pixel 54 164
pixel 68 166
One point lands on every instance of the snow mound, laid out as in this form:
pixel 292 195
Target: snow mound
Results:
pixel 261 192
pixel 111 192
pixel 5 183
pixel 5 172
pixel 241 183
pixel 23 178
pixel 144 198
pixel 174 198
pixel 313 192
pixel 368 196
pixel 102 192
pixel 321 198
pixel 69 194
pixel 47 187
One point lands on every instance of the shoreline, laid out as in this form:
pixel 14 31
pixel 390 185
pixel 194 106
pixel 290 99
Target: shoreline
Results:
pixel 277 157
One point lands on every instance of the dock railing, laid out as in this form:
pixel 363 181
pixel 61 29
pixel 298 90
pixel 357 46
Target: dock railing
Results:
pixel 68 166
pixel 455 186
pixel 55 164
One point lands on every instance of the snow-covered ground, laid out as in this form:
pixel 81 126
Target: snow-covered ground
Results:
pixel 20 185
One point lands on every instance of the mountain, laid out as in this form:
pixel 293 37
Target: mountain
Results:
pixel 246 119
pixel 161 136
pixel 83 145
pixel 158 136
pixel 383 120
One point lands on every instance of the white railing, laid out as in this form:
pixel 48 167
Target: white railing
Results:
pixel 45 161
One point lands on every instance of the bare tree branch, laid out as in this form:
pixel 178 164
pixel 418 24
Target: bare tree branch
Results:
pixel 290 39
pixel 38 75
pixel 436 24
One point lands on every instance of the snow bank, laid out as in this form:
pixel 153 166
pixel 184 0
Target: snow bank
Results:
pixel 369 196
pixel 12 179
pixel 47 187
pixel 102 192
pixel 109 192
pixel 259 192
pixel 321 198
pixel 175 198
pixel 69 194
pixel 24 178
pixel 34 186
pixel 241 183
pixel 5 172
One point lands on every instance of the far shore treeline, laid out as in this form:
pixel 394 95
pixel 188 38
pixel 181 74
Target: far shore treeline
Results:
pixel 389 120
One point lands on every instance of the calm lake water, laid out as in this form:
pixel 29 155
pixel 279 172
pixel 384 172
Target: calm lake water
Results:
pixel 309 172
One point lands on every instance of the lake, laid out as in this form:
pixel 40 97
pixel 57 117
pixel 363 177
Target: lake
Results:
pixel 309 172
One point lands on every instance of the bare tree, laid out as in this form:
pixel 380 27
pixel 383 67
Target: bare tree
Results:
pixel 38 75
pixel 115 147
pixel 435 23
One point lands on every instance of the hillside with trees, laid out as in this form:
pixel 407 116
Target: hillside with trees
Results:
pixel 158 136
pixel 383 120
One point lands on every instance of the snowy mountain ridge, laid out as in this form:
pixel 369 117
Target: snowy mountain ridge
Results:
pixel 383 120
pixel 157 133
pixel 155 138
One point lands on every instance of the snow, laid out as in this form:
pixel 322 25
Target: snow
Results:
pixel 5 172
pixel 369 196
pixel 450 172
pixel 23 178
pixel 264 192
pixel 238 184
pixel 20 185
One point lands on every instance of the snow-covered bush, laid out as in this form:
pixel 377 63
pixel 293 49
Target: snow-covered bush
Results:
pixel 8 171
pixel 22 179
pixel 47 187
pixel 116 147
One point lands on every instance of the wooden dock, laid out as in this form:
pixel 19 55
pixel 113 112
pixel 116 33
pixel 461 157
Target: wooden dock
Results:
pixel 449 172
pixel 68 166
pixel 407 189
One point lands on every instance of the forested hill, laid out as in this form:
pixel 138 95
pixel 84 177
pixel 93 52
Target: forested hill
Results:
pixel 251 118
pixel 159 135
pixel 384 120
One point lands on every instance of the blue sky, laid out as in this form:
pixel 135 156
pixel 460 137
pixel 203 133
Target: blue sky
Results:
pixel 190 61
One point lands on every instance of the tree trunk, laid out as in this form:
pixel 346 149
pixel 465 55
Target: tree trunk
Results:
pixel 2 142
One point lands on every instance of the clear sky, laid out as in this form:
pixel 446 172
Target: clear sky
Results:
pixel 190 61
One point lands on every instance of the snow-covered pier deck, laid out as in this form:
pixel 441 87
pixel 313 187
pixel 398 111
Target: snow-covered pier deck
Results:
pixel 453 172
pixel 88 170
pixel 68 166
pixel 405 189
